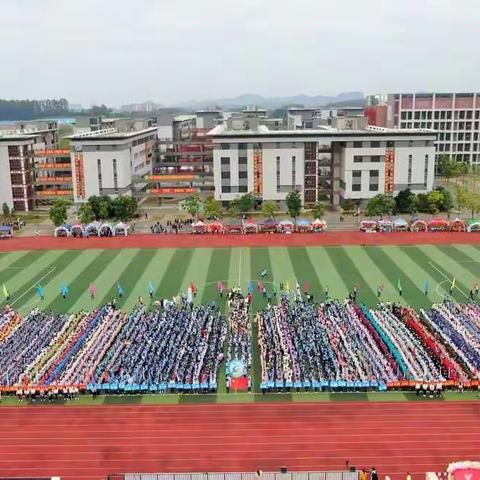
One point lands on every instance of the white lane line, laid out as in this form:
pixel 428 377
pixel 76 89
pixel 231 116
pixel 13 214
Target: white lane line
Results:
pixel 448 279
pixel 33 286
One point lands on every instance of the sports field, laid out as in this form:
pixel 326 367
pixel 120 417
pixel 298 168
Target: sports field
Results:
pixel 172 270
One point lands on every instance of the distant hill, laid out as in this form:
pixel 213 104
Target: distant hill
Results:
pixel 271 103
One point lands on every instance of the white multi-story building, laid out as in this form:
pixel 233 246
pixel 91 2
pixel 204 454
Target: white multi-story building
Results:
pixel 455 116
pixel 332 163
pixel 106 162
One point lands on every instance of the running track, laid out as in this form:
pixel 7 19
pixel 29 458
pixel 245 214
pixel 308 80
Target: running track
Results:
pixel 91 442
pixel 254 240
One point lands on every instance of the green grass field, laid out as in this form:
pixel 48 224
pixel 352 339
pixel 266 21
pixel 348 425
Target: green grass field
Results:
pixel 171 270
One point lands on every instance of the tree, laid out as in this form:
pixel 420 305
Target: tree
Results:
pixel 380 205
pixel 85 213
pixel 348 205
pixel 423 203
pixel 233 209
pixel 294 204
pixel 6 209
pixel 246 203
pixel 58 212
pixel 318 210
pixel 435 199
pixel 101 206
pixel 124 208
pixel 468 200
pixel 192 204
pixel 450 168
pixel 406 202
pixel 212 208
pixel 446 202
pixel 269 208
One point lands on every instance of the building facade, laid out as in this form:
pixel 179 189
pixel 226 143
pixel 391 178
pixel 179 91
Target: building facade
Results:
pixel 107 162
pixel 328 164
pixel 455 116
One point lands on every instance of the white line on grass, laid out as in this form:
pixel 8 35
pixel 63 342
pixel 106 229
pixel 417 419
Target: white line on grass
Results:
pixel 448 279
pixel 33 286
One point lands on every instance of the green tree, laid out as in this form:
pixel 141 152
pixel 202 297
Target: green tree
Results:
pixel 124 208
pixel 233 209
pixel 246 203
pixel 467 200
pixel 380 205
pixel 435 199
pixel 101 206
pixel 192 204
pixel 318 210
pixel 58 212
pixel 212 208
pixel 446 202
pixel 294 204
pixel 423 203
pixel 269 208
pixel 450 168
pixel 406 202
pixel 348 205
pixel 6 209
pixel 85 213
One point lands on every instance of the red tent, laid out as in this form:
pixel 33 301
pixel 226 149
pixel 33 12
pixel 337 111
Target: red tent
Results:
pixel 439 225
pixel 250 226
pixel 215 227
pixel 319 225
pixel 368 226
pixel 199 227
pixel 419 226
pixel 458 225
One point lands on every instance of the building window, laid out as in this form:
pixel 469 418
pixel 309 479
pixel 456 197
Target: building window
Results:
pixel 357 159
pixel 356 174
pixel 242 146
pixel 115 176
pixel 243 189
pixel 224 146
pixel 357 144
pixel 242 174
pixel 294 173
pixel 425 172
pixel 278 174
pixel 356 187
pixel 374 174
pixel 226 174
pixel 99 171
pixel 224 161
pixel 226 189
pixel 410 161
pixel 375 158
pixel 373 187
pixel 242 161
pixel 375 144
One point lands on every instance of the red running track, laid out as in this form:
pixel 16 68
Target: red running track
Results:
pixel 255 240
pixel 91 442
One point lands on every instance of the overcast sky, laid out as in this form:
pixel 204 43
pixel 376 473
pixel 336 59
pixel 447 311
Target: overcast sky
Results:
pixel 119 51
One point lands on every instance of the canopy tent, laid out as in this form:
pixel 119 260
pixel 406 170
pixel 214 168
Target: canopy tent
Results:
pixel 268 225
pixel 400 224
pixel 250 226
pixel 419 225
pixel 77 231
pixel 62 231
pixel 457 225
pixel 286 226
pixel 473 226
pixel 93 229
pixel 106 230
pixel 215 227
pixel 199 227
pixel 303 225
pixel 385 226
pixel 121 229
pixel 319 225
pixel 234 226
pixel 5 231
pixel 368 225
pixel 438 225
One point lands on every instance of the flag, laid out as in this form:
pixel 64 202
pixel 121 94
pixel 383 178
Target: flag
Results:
pixel 151 287
pixel 399 285
pixel 92 289
pixel 287 287
pixel 426 287
pixel 193 287
pixel 5 291
pixel 120 290
pixel 251 287
pixel 453 283
pixel 306 286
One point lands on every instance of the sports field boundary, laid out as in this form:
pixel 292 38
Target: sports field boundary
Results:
pixel 343 238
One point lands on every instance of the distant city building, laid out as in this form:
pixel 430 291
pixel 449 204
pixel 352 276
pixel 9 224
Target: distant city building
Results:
pixel 140 107
pixel 307 118
pixel 85 124
pixel 455 116
pixel 325 163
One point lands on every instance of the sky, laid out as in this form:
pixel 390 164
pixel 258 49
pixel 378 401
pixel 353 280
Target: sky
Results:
pixel 169 51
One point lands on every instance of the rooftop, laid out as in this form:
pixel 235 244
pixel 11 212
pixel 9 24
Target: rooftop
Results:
pixel 110 134
pixel 184 118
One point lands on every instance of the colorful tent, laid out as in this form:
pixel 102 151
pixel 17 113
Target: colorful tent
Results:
pixel 215 227
pixel 121 229
pixel 5 231
pixel 234 226
pixel 93 229
pixel 199 227
pixel 62 231
pixel 303 225
pixel 385 226
pixel 286 226
pixel 473 226
pixel 319 225
pixel 419 225
pixel 439 225
pixel 250 226
pixel 106 230
pixel 458 225
pixel 77 231
pixel 400 224
pixel 268 225
pixel 368 225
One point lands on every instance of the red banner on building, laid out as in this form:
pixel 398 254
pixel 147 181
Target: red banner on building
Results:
pixel 173 190
pixel 51 166
pixel 54 193
pixel 59 152
pixel 258 171
pixel 389 170
pixel 79 175
pixel 171 178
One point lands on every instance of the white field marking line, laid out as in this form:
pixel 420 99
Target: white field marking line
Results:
pixel 448 279
pixel 33 286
